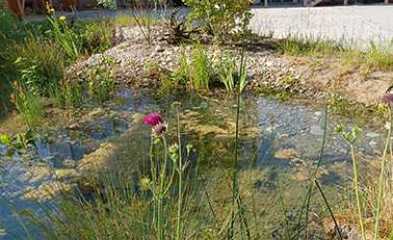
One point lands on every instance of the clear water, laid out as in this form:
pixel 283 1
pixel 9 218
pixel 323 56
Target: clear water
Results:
pixel 275 137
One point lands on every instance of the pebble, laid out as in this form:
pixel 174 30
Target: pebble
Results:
pixel 372 135
pixel 316 130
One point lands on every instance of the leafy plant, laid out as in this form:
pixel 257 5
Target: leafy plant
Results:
pixel 230 74
pixel 220 18
pixel 351 136
pixel 182 73
pixel 40 64
pixel 200 69
pixel 109 4
pixel 65 37
pixel 101 80
pixel 28 104
pixel 96 36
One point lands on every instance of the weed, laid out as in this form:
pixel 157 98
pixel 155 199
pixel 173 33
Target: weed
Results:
pixel 377 58
pixel 96 36
pixel 101 80
pixel 28 104
pixel 201 69
pixel 65 37
pixel 351 137
pixel 297 46
pixel 40 64
pixel 182 73
pixel 229 73
pixel 126 20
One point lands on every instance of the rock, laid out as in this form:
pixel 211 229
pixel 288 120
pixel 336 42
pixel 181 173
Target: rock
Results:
pixel 38 173
pixel 316 130
pixel 62 150
pixel 66 174
pixel 74 126
pixel 69 163
pixel 286 154
pixel 46 191
pixel 372 135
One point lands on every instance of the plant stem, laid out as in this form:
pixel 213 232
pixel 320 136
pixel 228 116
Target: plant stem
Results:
pixel 381 177
pixel 235 186
pixel 180 186
pixel 357 194
pixel 313 177
pixel 329 208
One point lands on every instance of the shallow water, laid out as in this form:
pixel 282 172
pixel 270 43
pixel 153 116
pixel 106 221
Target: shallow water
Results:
pixel 275 137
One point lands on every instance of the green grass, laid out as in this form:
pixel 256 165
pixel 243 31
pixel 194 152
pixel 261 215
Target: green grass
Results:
pixel 127 20
pixel 201 68
pixel 37 54
pixel 297 46
pixel 374 58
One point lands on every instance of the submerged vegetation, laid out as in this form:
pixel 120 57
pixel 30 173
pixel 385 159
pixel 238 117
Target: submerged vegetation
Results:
pixel 163 191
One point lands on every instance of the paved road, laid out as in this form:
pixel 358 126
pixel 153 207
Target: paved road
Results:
pixel 356 25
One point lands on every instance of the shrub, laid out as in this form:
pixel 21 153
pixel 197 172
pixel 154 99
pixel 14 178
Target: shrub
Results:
pixel 219 18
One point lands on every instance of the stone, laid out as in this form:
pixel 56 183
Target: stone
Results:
pixel 63 174
pixel 286 154
pixel 372 135
pixel 316 130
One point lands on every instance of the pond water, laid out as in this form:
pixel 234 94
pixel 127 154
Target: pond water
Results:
pixel 276 138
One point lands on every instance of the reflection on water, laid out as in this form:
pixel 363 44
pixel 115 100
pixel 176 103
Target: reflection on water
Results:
pixel 278 143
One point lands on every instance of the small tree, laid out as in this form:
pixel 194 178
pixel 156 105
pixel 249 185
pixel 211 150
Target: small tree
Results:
pixel 219 18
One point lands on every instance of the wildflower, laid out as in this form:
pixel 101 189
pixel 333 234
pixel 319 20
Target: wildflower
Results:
pixel 388 98
pixel 62 18
pixel 145 183
pixel 152 119
pixel 156 122
pixel 174 152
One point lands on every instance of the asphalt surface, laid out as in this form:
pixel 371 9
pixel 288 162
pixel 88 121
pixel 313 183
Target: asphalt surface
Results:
pixel 355 25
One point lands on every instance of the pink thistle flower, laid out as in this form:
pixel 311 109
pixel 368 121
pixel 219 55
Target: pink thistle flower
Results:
pixel 155 121
pixel 159 128
pixel 152 119
pixel 388 98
